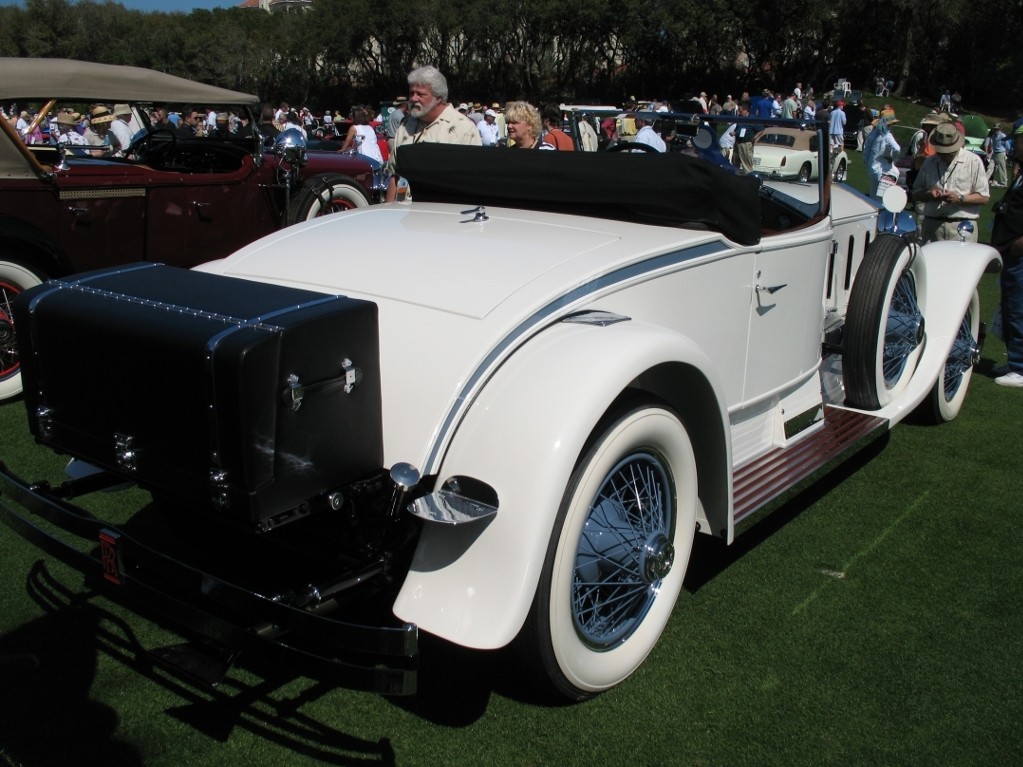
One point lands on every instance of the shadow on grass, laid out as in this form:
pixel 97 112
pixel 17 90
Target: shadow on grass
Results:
pixel 49 666
pixel 455 685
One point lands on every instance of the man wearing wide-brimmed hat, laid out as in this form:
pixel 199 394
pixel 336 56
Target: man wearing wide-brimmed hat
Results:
pixel 952 185
pixel 98 133
pixel 66 133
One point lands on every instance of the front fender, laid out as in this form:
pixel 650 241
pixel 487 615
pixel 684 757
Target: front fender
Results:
pixel 947 275
pixel 473 584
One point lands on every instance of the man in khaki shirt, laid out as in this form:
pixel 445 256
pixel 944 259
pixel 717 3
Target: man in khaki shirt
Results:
pixel 952 185
pixel 431 118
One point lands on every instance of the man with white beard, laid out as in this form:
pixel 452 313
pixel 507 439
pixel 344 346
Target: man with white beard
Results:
pixel 430 118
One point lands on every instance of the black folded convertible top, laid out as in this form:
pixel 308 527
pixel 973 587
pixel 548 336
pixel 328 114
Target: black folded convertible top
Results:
pixel 672 189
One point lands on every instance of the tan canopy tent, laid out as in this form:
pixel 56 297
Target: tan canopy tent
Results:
pixel 68 79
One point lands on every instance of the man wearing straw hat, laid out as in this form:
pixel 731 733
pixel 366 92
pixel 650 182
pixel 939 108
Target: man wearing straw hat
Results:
pixel 66 133
pixel 120 128
pixel 97 135
pixel 952 185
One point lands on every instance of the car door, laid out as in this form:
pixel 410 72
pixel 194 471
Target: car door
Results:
pixel 196 217
pixel 99 223
pixel 786 309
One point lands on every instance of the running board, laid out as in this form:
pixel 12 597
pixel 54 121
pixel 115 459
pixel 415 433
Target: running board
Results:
pixel 763 479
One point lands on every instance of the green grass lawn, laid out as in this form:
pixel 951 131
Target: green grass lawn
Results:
pixel 876 619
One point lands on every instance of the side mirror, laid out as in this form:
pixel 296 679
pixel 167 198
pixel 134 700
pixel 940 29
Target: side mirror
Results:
pixel 893 216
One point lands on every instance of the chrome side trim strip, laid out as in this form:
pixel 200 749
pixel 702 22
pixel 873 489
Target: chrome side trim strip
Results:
pixel 543 317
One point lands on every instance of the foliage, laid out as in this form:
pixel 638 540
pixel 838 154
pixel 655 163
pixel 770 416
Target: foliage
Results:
pixel 341 51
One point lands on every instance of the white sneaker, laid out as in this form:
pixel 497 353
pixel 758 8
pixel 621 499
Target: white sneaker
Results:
pixel 1010 379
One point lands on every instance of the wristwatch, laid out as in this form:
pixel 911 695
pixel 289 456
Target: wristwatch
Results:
pixel 961 198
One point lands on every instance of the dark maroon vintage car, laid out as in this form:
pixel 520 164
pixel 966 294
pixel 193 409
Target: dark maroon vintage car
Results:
pixel 165 198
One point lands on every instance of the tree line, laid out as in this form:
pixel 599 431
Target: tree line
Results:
pixel 589 51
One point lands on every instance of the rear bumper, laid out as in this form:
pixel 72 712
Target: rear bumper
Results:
pixel 308 641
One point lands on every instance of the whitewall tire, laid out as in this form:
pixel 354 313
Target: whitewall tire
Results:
pixel 617 557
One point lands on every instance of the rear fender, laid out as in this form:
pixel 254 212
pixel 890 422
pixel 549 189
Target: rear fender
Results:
pixel 473 584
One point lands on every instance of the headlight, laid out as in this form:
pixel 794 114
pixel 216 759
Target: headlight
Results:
pixel 290 147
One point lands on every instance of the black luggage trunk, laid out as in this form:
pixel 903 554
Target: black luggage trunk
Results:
pixel 242 397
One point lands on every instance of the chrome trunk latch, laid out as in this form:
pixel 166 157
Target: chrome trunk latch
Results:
pixel 219 489
pixel 295 391
pixel 125 453
pixel 352 374
pixel 44 417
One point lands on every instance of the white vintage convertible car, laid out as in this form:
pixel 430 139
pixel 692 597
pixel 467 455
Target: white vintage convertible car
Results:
pixel 498 413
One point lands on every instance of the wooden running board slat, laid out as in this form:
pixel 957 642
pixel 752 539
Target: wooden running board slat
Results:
pixel 765 477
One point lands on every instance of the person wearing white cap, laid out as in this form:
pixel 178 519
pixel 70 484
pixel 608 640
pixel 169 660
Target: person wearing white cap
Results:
pixel 394 120
pixel 490 134
pixel 23 123
pixel 952 184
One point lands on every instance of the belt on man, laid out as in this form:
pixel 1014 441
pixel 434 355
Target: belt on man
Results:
pixel 946 219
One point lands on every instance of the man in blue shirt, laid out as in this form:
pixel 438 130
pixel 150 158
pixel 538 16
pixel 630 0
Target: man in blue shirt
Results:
pixel 763 106
pixel 836 126
pixel 996 145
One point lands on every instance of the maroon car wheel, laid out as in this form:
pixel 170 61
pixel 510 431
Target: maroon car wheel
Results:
pixel 323 195
pixel 14 278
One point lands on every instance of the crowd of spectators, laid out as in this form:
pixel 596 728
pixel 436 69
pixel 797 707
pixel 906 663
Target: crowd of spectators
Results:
pixel 371 129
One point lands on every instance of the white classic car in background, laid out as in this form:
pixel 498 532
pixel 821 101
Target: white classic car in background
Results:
pixel 792 153
pixel 584 360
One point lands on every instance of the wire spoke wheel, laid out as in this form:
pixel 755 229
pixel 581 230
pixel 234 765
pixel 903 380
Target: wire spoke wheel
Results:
pixel 903 330
pixel 624 551
pixel 949 392
pixel 617 556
